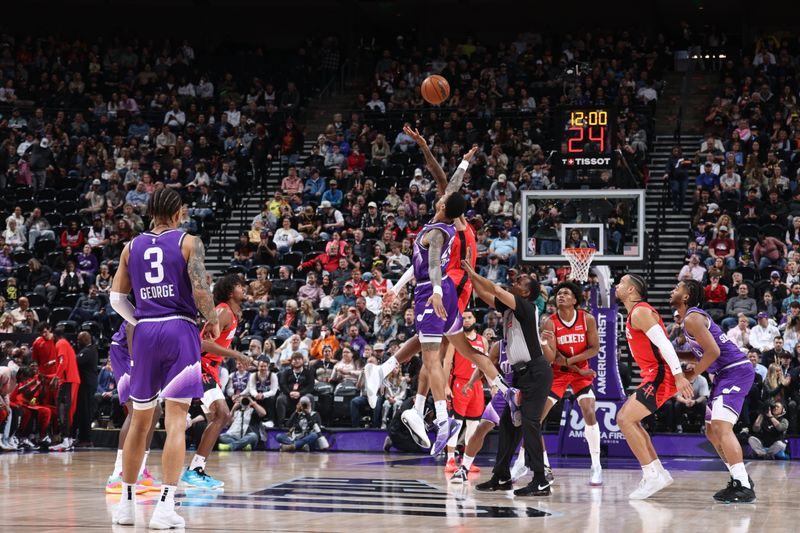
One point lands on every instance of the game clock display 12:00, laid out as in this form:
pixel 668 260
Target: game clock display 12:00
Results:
pixel 587 140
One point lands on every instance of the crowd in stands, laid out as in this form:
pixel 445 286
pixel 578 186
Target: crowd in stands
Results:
pixel 89 129
pixel 744 239
pixel 333 239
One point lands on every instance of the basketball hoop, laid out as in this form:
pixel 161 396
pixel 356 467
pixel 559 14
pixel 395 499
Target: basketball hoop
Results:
pixel 579 260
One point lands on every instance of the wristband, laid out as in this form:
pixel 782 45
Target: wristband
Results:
pixel 464 165
pixel 437 290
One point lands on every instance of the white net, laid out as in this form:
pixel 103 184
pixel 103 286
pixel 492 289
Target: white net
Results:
pixel 579 261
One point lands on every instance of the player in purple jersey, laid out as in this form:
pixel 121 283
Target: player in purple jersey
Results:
pixel 732 376
pixel 164 269
pixel 119 354
pixel 432 303
pixel 436 308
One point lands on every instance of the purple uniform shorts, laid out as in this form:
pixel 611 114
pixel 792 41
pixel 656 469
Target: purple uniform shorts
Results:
pixel 729 392
pixel 166 360
pixel 430 327
pixel 121 365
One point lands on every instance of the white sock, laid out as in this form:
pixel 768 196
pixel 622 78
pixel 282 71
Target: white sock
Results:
pixel 451 455
pixel 198 461
pixel 128 492
pixel 441 410
pixel 466 461
pixel 592 436
pixel 659 466
pixel 118 464
pixel 546 460
pixel 650 470
pixel 740 474
pixel 388 365
pixel 144 462
pixel 727 465
pixel 419 404
pixel 167 498
pixel 500 384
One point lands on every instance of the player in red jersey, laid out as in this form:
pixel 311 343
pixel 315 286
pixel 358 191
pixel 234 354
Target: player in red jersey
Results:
pixel 229 293
pixel 661 378
pixel 573 343
pixel 466 405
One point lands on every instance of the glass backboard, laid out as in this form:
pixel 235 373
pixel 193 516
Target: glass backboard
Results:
pixel 611 221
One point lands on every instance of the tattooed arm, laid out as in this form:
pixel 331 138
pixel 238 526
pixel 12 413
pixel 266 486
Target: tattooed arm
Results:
pixel 435 243
pixel 458 176
pixel 200 289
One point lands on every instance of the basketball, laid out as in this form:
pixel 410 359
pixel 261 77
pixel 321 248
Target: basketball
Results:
pixel 435 89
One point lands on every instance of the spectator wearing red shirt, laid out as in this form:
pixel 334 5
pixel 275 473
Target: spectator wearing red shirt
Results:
pixel 329 259
pixel 716 294
pixel 769 251
pixel 356 160
pixel 72 236
pixel 722 246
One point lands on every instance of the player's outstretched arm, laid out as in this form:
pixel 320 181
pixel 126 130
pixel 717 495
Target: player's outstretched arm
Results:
pixel 458 176
pixel 201 291
pixel 486 290
pixel 433 165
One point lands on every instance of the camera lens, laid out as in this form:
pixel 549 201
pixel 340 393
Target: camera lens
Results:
pixel 245 401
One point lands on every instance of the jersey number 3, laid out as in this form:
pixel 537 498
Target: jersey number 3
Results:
pixel 156 273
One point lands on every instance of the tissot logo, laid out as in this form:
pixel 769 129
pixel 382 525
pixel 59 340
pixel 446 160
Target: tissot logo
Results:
pixel 572 161
pixel 365 496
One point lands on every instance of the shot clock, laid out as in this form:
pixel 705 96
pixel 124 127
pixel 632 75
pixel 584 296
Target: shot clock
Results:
pixel 586 137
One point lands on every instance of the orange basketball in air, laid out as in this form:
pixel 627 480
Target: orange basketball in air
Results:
pixel 435 89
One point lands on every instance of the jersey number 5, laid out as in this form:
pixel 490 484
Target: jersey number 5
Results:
pixel 156 273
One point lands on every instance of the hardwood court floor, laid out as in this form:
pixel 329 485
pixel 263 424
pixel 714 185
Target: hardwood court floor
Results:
pixel 363 493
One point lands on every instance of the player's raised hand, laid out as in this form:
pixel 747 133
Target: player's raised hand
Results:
pixel 415 134
pixel 388 299
pixel 211 331
pixel 436 301
pixel 684 387
pixel 469 155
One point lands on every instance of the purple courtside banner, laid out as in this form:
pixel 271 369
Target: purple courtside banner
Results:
pixel 607 384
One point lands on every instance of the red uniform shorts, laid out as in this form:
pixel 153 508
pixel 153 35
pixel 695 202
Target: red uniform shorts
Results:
pixel 581 385
pixel 470 406
pixel 656 388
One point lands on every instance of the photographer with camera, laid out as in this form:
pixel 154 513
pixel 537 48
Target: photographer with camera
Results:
pixel 304 429
pixel 769 432
pixel 243 431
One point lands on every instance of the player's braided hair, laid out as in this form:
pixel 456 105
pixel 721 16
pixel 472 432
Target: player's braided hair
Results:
pixel 696 292
pixel 163 205
pixel 640 284
pixel 573 288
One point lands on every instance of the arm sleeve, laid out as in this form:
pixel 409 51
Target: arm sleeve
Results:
pixel 499 305
pixel 404 279
pixel 658 337
pixel 123 307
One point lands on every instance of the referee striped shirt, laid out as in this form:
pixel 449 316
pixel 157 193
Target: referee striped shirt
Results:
pixel 521 330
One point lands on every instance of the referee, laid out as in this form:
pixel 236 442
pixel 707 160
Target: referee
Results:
pixel 533 376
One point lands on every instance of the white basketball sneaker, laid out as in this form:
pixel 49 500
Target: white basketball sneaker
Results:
pixel 649 486
pixel 165 518
pixel 596 476
pixel 416 426
pixel 124 513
